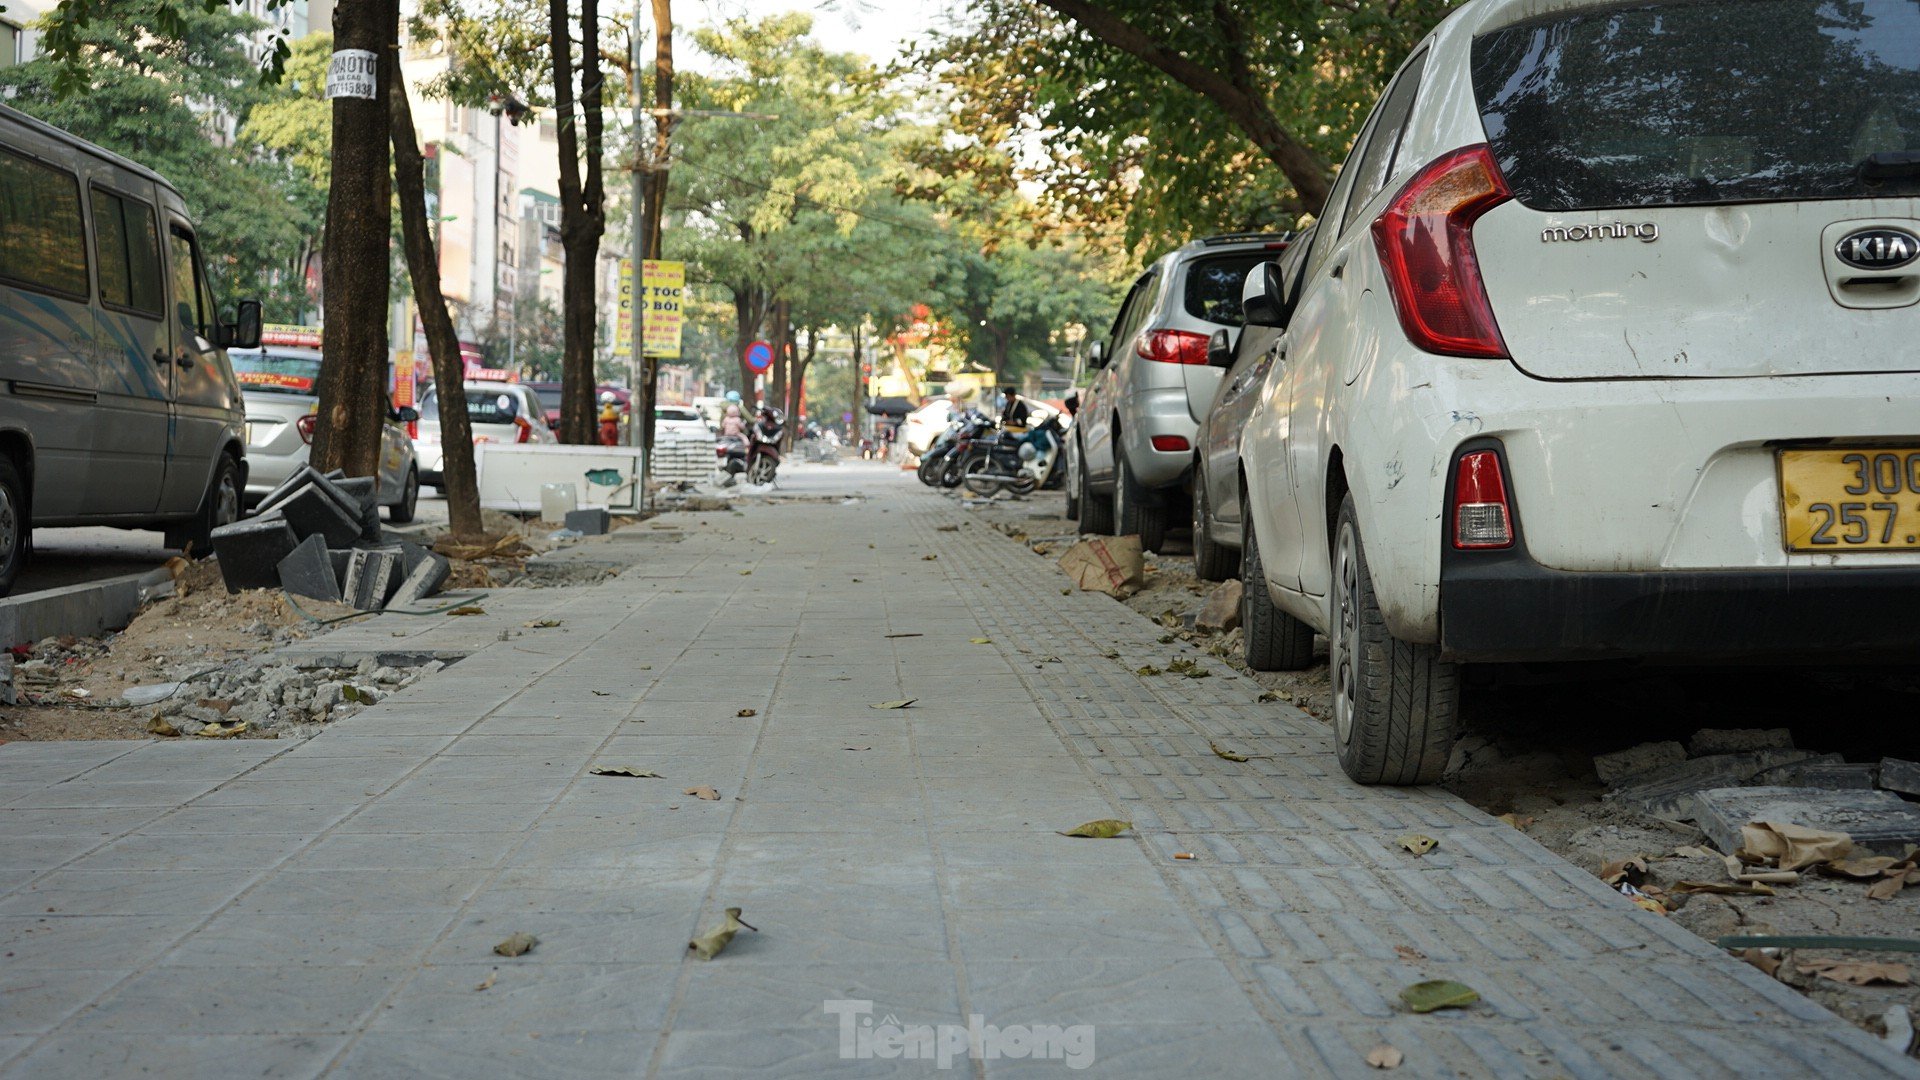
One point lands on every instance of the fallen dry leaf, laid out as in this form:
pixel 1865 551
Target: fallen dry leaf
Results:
pixel 1190 668
pixel 540 624
pixel 1886 888
pixel 744 573
pixel 709 944
pixel 468 609
pixel 928 558
pixel 517 945
pixel 1518 821
pixel 159 726
pixel 1147 669
pixel 1857 972
pixel 1227 754
pixel 488 981
pixel 223 731
pixel 703 791
pixel 893 704
pixel 946 528
pixel 1385 1057
pixel 900 635
pixel 1695 851
pixel 1408 952
pixel 1102 829
pixel 856 748
pixel 980 641
pixel 748 712
pixel 625 770
pixel 1862 866
pixel 1425 997
pixel 1765 961
pixel 1418 843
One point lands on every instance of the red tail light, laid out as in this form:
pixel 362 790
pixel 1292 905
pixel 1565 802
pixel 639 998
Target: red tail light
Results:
pixel 305 426
pixel 1425 240
pixel 1173 346
pixel 1172 443
pixel 1482 518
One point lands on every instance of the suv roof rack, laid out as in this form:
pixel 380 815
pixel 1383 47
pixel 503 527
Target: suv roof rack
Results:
pixel 1243 238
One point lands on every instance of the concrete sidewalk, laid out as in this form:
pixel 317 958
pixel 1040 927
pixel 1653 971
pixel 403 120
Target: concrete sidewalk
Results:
pixel 199 909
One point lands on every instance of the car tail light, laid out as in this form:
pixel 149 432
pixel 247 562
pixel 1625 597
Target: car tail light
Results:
pixel 1170 443
pixel 305 426
pixel 1425 240
pixel 1173 346
pixel 1482 517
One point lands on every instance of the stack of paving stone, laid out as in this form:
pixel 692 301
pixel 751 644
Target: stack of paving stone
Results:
pixel 318 536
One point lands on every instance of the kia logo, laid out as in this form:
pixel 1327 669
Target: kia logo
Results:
pixel 1878 249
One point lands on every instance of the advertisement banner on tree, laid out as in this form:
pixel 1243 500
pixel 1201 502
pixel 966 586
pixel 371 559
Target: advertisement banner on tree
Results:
pixel 664 285
pixel 403 379
pixel 623 324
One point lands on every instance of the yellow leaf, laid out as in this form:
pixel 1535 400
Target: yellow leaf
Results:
pixel 709 944
pixel 223 731
pixel 1103 829
pixel 1228 754
pixel 1147 669
pixel 744 573
pixel 487 982
pixel 980 641
pixel 928 558
pixel 624 770
pixel 517 945
pixel 1518 821
pixel 703 791
pixel 159 726
pixel 1418 843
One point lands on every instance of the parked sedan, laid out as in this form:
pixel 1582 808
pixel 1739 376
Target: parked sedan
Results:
pixel 277 387
pixel 498 411
pixel 1599 352
pixel 1247 356
pixel 1152 384
pixel 680 420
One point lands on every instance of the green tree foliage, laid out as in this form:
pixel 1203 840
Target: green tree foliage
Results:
pixel 1047 97
pixel 163 92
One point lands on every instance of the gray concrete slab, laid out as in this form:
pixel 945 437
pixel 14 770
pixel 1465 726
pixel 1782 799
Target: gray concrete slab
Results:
pixel 330 907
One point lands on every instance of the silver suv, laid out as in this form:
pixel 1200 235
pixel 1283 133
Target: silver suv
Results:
pixel 1134 435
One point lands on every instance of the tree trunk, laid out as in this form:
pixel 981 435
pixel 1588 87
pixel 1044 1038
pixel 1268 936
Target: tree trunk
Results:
pixel 656 206
pixel 583 213
pixel 353 372
pixel 1237 93
pixel 749 310
pixel 443 342
pixel 800 366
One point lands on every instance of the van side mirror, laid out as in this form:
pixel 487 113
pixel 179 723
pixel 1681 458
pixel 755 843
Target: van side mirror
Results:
pixel 244 331
pixel 1220 349
pixel 1096 356
pixel 1268 306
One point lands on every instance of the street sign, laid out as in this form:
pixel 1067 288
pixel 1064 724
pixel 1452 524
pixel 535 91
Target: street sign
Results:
pixel 662 284
pixel 759 356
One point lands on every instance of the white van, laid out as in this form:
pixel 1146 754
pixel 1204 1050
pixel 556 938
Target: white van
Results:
pixel 117 403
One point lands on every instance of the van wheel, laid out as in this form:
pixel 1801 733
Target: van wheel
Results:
pixel 1211 561
pixel 1272 640
pixel 220 507
pixel 403 511
pixel 1096 513
pixel 1396 705
pixel 1139 512
pixel 14 525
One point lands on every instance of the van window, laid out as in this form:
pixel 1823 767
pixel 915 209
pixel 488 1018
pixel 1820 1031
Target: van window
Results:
pixel 128 253
pixel 1688 104
pixel 1376 164
pixel 192 307
pixel 42 243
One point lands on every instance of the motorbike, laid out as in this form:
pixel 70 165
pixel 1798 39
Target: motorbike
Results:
pixel 933 463
pixel 977 431
pixel 1010 462
pixel 756 455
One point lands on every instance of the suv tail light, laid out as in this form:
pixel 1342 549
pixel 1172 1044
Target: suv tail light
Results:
pixel 1170 443
pixel 1425 240
pixel 1482 518
pixel 305 426
pixel 1173 346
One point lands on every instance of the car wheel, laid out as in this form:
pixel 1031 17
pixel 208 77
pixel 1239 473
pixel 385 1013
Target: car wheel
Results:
pixel 1211 561
pixel 221 506
pixel 1137 511
pixel 14 525
pixel 403 512
pixel 1073 489
pixel 1396 705
pixel 1096 513
pixel 1271 639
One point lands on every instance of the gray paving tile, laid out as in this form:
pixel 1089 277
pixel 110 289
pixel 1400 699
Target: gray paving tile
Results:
pixel 525 892
pixel 38 1000
pixel 128 892
pixel 202 851
pixel 84 793
pixel 241 939
pixel 289 891
pixel 96 1054
pixel 1036 934
pixel 89 942
pixel 530 995
pixel 228 1000
pixel 810 1051
pixel 1111 990
pixel 655 930
pixel 465 1055
pixel 410 850
pixel 739 997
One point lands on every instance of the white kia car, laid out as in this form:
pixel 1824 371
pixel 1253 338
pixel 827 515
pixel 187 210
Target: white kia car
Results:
pixel 1604 347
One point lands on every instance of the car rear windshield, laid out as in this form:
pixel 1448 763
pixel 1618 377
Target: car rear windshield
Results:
pixel 275 374
pixel 483 407
pixel 1213 286
pixel 1686 103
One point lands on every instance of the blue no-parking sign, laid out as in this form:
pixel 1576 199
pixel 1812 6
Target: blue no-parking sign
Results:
pixel 759 356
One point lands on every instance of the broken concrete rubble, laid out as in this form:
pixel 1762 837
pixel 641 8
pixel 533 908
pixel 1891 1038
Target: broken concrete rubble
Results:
pixel 1876 820
pixel 1900 776
pixel 1669 792
pixel 1735 740
pixel 1838 775
pixel 591 522
pixel 281 700
pixel 1637 760
pixel 250 550
pixel 1221 612
pixel 309 572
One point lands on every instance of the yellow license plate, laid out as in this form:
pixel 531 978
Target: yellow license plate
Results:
pixel 1860 499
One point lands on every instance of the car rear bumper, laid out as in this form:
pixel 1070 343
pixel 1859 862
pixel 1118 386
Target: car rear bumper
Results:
pixel 1506 607
pixel 1158 413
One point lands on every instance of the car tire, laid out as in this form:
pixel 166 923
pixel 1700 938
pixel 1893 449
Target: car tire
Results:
pixel 1096 513
pixel 15 526
pixel 1396 704
pixel 220 506
pixel 1073 487
pixel 1211 561
pixel 402 512
pixel 1271 639
pixel 1137 511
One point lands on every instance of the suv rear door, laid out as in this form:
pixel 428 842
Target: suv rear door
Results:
pixel 1684 177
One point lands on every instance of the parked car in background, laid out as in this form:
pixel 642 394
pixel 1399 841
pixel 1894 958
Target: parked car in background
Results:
pixel 549 395
pixel 277 384
pixel 682 420
pixel 1246 355
pixel 120 406
pixel 1152 384
pixel 498 411
pixel 925 424
pixel 1598 353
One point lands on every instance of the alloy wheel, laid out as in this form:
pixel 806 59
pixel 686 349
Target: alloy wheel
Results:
pixel 1344 642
